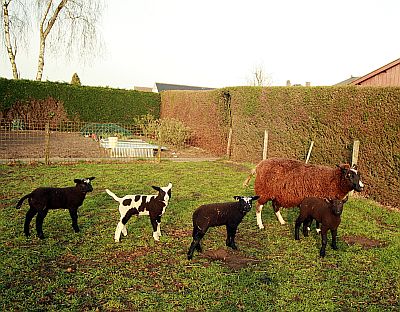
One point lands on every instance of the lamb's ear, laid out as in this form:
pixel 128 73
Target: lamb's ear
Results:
pixel 255 197
pixel 345 199
pixel 344 167
pixel 327 200
pixel 237 197
pixel 77 181
pixel 92 178
pixel 157 188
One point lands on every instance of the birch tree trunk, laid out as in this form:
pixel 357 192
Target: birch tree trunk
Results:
pixel 11 52
pixel 45 28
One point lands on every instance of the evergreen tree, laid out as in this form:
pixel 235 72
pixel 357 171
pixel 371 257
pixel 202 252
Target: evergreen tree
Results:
pixel 75 80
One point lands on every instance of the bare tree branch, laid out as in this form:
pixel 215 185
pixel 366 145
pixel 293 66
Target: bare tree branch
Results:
pixel 14 26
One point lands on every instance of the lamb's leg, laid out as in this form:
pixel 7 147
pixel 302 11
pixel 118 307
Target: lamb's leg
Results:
pixel 124 231
pixel 278 213
pixel 39 223
pixel 231 232
pixel 297 225
pixel 306 226
pixel 118 231
pixel 159 226
pixel 334 235
pixel 197 236
pixel 73 212
pixel 317 227
pixel 324 239
pixel 155 222
pixel 259 208
pixel 28 218
pixel 121 226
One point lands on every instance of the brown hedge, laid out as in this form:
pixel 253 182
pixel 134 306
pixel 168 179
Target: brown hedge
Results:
pixel 332 117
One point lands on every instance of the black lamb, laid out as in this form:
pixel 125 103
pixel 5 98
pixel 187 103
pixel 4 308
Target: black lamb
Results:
pixel 229 214
pixel 42 199
pixel 326 212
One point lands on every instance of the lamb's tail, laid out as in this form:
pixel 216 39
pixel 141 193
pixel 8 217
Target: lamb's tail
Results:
pixel 22 200
pixel 247 181
pixel 113 195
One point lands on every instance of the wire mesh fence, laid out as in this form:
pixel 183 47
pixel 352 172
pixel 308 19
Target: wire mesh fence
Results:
pixel 44 141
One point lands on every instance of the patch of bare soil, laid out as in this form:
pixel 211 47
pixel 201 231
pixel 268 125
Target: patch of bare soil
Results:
pixel 363 241
pixel 32 144
pixel 233 259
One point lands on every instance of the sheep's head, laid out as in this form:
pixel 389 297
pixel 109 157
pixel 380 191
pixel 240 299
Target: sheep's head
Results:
pixel 84 184
pixel 336 205
pixel 352 177
pixel 245 202
pixel 164 193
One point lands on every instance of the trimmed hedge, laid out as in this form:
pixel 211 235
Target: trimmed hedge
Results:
pixel 332 117
pixel 82 103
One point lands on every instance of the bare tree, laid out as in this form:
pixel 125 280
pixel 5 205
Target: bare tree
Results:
pixel 74 23
pixel 14 25
pixel 260 78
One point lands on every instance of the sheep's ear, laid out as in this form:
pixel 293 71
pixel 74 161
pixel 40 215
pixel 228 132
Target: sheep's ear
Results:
pixel 345 199
pixel 255 197
pixel 157 188
pixel 91 178
pixel 344 167
pixel 77 181
pixel 237 197
pixel 327 200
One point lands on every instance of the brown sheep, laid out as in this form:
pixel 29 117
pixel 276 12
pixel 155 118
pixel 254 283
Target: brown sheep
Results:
pixel 286 182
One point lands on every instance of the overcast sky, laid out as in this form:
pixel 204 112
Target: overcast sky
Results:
pixel 219 43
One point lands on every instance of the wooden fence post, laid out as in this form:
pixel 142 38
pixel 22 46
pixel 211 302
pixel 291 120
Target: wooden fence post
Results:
pixel 309 151
pixel 47 143
pixel 354 156
pixel 228 147
pixel 159 147
pixel 265 147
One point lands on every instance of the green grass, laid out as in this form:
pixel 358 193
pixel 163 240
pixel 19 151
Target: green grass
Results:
pixel 88 271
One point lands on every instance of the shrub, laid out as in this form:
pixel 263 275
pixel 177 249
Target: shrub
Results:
pixel 169 131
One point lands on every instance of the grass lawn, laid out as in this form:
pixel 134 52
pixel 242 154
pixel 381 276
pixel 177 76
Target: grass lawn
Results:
pixel 271 271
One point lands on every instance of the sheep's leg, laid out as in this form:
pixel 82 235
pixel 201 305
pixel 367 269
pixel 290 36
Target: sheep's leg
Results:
pixel 324 239
pixel 231 232
pixel 118 231
pixel 259 208
pixel 297 225
pixel 159 226
pixel 124 230
pixel 317 227
pixel 155 222
pixel 39 223
pixel 197 236
pixel 28 218
pixel 73 212
pixel 306 226
pixel 121 226
pixel 334 235
pixel 278 213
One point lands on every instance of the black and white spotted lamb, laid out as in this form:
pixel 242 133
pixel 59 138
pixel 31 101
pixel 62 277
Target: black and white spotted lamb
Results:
pixel 153 206
pixel 326 212
pixel 42 199
pixel 229 214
